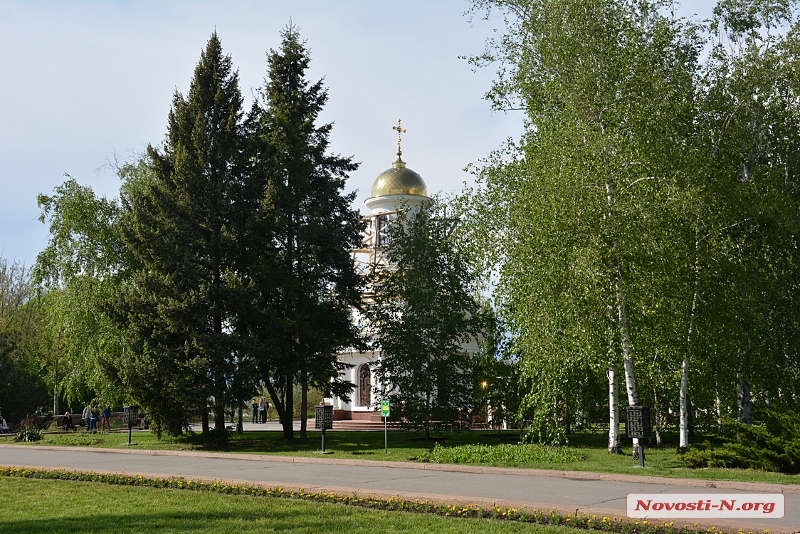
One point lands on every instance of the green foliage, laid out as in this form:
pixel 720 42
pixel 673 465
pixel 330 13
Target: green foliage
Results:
pixel 423 314
pixel 499 388
pixel 573 220
pixel 503 454
pixel 649 212
pixel 84 236
pixel 775 446
pixel 77 273
pixel 23 388
pixel 226 262
pixel 747 111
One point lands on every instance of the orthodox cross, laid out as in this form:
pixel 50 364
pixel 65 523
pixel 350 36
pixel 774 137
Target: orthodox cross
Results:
pixel 400 130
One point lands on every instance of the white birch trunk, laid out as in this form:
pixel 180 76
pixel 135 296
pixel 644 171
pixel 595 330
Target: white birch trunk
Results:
pixel 622 314
pixel 687 357
pixel 627 355
pixel 613 410
pixel 657 424
pixel 684 407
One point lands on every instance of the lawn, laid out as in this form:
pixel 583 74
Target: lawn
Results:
pixel 410 446
pixel 34 506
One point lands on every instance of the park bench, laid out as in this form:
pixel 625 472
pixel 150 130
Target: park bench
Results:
pixel 77 420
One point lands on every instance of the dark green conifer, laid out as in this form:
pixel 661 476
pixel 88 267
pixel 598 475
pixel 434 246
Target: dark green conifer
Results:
pixel 306 232
pixel 181 226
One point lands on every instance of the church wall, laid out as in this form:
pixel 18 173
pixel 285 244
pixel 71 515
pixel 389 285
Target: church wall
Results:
pixel 356 408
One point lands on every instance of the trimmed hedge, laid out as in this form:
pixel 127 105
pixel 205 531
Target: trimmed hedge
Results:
pixel 503 454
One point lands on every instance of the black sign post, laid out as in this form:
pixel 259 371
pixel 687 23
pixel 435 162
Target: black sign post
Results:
pixel 323 421
pixel 639 426
pixel 130 415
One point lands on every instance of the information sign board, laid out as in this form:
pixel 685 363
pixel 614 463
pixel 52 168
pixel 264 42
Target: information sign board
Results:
pixel 130 415
pixel 324 417
pixel 385 408
pixel 639 424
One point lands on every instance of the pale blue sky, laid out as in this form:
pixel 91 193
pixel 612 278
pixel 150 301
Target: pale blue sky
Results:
pixel 84 82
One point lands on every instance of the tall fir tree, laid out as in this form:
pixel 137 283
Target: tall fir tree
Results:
pixel 304 275
pixel 182 227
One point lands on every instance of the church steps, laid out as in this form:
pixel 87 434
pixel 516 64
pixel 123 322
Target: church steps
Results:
pixel 353 425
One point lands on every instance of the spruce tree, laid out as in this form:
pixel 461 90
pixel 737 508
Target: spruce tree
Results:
pixel 305 231
pixel 181 227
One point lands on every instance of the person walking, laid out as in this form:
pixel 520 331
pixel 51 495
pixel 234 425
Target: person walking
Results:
pixel 262 410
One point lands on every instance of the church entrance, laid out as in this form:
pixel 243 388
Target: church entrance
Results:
pixel 364 385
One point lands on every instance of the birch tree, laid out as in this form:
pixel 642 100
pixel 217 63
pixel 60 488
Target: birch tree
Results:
pixel 606 88
pixel 78 272
pixel 748 107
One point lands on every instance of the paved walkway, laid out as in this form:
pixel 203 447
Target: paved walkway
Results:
pixel 545 490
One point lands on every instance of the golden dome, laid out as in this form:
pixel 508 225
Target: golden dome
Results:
pixel 399 180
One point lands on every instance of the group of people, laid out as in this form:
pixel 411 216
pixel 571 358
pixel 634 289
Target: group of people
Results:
pixel 259 410
pixel 93 415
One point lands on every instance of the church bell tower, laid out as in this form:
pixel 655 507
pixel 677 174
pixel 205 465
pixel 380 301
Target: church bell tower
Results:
pixel 395 189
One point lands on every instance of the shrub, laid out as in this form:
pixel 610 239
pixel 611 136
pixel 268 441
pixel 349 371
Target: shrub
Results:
pixel 28 433
pixel 505 454
pixel 773 446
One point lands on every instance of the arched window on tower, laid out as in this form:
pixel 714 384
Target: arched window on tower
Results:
pixel 383 228
pixel 364 385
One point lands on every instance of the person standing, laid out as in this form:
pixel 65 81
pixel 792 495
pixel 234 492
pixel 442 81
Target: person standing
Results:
pixel 254 409
pixel 262 410
pixel 94 417
pixel 106 420
pixel 85 417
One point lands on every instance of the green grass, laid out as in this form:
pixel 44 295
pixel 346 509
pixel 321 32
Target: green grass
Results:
pixel 410 446
pixel 34 506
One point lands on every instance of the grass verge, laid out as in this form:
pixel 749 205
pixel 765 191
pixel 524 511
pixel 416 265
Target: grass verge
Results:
pixel 69 506
pixel 73 501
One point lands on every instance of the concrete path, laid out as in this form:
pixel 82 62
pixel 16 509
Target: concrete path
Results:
pixel 567 492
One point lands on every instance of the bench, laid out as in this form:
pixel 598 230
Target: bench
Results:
pixel 77 420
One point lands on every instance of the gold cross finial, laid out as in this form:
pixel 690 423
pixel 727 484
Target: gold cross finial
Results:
pixel 400 130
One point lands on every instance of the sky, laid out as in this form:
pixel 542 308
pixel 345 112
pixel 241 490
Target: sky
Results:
pixel 87 83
